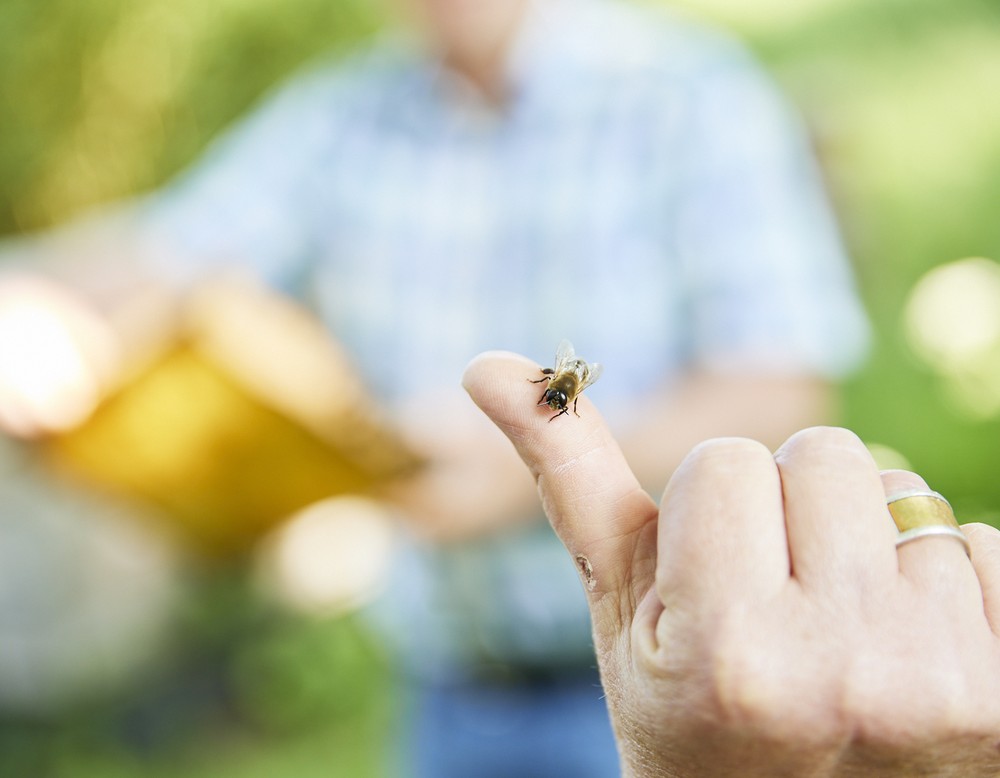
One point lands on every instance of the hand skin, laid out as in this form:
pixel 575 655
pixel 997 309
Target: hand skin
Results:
pixel 763 623
pixel 475 483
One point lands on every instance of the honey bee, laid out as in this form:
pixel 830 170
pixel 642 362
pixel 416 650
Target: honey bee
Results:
pixel 567 379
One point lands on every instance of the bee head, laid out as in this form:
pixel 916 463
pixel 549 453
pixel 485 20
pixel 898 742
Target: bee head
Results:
pixel 556 399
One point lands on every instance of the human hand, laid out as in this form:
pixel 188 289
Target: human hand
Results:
pixel 763 622
pixel 473 482
pixel 56 354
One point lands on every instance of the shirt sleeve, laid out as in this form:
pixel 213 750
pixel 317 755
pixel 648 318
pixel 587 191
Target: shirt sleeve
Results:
pixel 769 284
pixel 246 202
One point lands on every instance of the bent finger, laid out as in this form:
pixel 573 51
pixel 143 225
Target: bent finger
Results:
pixel 937 564
pixel 985 543
pixel 722 529
pixel 840 535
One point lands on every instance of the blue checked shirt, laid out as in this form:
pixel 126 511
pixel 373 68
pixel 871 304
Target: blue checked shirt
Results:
pixel 643 192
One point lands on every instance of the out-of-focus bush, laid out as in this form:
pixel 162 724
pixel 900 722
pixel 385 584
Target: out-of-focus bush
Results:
pixel 99 100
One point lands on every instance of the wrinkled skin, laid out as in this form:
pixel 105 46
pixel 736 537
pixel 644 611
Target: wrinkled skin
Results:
pixel 763 622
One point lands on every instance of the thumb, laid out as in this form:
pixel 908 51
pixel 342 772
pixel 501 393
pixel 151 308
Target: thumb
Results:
pixel 597 507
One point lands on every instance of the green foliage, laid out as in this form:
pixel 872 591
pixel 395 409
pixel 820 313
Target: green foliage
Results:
pixel 102 99
pixel 246 691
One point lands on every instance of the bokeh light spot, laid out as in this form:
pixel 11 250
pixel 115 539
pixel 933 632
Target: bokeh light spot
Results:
pixel 952 322
pixel 329 558
pixel 888 458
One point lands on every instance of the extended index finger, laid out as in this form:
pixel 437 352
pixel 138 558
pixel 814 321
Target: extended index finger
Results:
pixel 590 495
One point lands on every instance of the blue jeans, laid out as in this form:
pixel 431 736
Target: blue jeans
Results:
pixel 537 728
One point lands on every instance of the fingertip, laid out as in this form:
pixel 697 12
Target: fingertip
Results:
pixel 718 451
pixel 499 382
pixel 587 488
pixel 835 514
pixel 824 440
pixel 984 540
pixel 504 386
pixel 722 528
pixel 489 367
pixel 720 458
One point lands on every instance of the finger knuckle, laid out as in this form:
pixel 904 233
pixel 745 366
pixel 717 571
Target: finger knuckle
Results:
pixel 821 440
pixel 725 454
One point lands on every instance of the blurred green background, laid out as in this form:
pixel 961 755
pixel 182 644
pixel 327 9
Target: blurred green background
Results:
pixel 106 98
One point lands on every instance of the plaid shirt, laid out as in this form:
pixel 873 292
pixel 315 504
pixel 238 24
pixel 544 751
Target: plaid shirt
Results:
pixel 643 192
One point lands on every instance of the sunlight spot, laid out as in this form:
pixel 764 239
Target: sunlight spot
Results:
pixel 54 359
pixel 888 458
pixel 952 323
pixel 952 318
pixel 329 558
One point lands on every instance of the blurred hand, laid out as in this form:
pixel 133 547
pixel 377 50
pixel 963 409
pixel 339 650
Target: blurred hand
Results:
pixel 474 483
pixel 56 354
pixel 762 622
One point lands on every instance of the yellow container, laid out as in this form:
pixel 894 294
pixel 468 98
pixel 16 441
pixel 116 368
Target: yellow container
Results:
pixel 249 413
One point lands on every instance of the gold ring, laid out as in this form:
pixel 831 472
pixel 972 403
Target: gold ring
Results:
pixel 921 513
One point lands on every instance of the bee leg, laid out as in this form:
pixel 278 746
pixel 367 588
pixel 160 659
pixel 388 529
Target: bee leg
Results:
pixel 548 371
pixel 564 410
pixel 574 408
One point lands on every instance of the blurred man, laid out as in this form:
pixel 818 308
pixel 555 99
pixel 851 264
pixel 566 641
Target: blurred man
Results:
pixel 515 173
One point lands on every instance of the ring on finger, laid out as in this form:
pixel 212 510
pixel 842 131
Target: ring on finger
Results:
pixel 923 513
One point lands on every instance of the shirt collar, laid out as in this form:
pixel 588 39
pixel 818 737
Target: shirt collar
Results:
pixel 433 90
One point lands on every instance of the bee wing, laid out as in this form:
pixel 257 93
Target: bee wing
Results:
pixel 565 354
pixel 594 370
